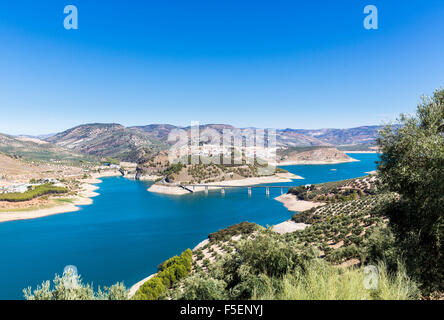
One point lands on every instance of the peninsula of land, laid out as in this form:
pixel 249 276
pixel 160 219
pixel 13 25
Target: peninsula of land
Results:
pixel 312 155
pixel 38 208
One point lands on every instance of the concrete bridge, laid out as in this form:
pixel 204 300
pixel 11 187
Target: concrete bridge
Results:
pixel 190 187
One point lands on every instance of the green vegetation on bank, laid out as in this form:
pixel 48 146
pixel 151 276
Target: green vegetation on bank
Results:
pixel 110 160
pixel 169 273
pixel 268 266
pixel 35 192
pixel 342 231
pixel 337 191
pixel 244 228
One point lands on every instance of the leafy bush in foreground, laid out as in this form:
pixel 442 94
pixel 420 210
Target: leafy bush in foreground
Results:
pixel 412 165
pixel 201 287
pixel 271 267
pixel 319 280
pixel 70 287
pixel 255 259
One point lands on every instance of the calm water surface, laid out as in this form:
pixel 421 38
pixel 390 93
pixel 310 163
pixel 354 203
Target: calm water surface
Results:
pixel 128 231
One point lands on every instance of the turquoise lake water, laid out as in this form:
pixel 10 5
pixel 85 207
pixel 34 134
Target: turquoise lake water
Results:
pixel 128 231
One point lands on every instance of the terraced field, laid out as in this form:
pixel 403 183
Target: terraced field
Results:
pixel 338 230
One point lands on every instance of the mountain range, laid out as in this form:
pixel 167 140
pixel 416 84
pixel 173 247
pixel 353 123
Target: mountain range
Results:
pixel 137 143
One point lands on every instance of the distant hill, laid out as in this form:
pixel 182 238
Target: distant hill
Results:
pixel 157 131
pixel 286 137
pixel 109 140
pixel 351 136
pixel 35 149
pixel 140 143
pixel 312 155
pixel 292 138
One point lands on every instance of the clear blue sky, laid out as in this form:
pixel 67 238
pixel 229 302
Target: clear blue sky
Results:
pixel 297 64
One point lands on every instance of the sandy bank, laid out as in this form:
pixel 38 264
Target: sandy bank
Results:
pixel 292 203
pixel 164 189
pixel 289 226
pixel 201 244
pixel 175 190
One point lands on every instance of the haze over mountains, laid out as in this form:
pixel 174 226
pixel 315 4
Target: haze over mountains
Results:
pixel 136 143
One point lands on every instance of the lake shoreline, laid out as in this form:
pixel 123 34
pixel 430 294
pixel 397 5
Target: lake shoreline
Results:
pixel 292 203
pixel 83 198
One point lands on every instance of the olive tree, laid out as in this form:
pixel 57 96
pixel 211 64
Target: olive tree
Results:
pixel 69 286
pixel 412 165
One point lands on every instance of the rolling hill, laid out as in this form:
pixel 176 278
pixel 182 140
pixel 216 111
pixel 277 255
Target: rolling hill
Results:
pixel 35 149
pixel 337 137
pixel 286 137
pixel 140 143
pixel 108 140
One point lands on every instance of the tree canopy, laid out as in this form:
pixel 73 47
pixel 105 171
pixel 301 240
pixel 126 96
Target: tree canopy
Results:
pixel 412 165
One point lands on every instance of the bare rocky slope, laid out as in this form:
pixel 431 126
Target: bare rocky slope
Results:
pixel 108 140
pixel 140 143
pixel 313 155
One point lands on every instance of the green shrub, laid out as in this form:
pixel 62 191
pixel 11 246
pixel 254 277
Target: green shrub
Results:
pixel 70 287
pixel 322 281
pixel 150 290
pixel 33 193
pixel 170 272
pixel 200 287
pixel 243 228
